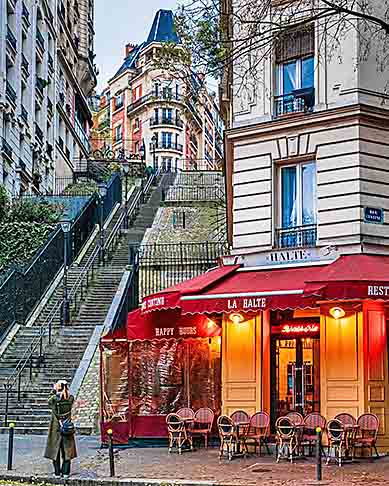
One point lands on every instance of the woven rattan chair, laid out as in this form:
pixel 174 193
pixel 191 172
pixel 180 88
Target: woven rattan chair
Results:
pixel 346 418
pixel 367 433
pixel 241 420
pixel 227 435
pixel 185 412
pixel 240 416
pixel 295 417
pixel 286 439
pixel 336 434
pixel 259 431
pixel 178 434
pixel 203 423
pixel 311 422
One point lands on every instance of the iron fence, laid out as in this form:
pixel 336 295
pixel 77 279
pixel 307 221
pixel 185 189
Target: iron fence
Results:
pixel 296 237
pixel 163 265
pixel 200 178
pixel 193 194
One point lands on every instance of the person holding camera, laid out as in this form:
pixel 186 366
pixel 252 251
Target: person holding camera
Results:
pixel 61 443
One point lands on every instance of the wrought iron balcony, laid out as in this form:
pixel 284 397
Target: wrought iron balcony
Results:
pixel 10 92
pixel 297 236
pixel 300 101
pixel 50 63
pixel 38 133
pixel 25 13
pixel 167 121
pixel 154 96
pixel 164 145
pixel 6 148
pixel 40 39
pixel 25 66
pixel 39 84
pixel 11 39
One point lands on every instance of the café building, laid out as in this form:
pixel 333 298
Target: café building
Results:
pixel 306 336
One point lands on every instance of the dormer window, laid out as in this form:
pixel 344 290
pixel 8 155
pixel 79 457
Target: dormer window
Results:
pixel 294 72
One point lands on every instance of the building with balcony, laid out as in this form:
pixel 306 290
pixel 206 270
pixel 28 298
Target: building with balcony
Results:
pixel 153 109
pixel 304 294
pixel 47 75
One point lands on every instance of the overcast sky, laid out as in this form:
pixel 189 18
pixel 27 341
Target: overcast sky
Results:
pixel 118 22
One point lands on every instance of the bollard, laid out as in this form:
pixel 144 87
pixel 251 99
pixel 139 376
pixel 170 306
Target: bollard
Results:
pixel 318 454
pixel 111 456
pixel 10 445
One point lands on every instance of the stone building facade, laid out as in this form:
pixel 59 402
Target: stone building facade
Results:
pixel 46 60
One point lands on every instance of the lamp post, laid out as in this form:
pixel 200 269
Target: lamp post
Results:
pixel 126 170
pixel 66 226
pixel 154 141
pixel 102 193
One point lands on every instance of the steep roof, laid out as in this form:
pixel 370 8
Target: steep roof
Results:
pixel 130 61
pixel 163 29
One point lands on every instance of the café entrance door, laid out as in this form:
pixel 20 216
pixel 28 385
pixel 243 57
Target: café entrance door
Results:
pixel 295 375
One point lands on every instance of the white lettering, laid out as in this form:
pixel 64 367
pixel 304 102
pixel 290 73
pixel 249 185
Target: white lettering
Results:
pixel 156 301
pixel 254 303
pixel 231 304
pixel 378 290
pixel 187 331
pixel 164 331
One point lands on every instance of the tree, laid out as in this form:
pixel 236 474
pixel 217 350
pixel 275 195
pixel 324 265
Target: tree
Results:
pixel 224 38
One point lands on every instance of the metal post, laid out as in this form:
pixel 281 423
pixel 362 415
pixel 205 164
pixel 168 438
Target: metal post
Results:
pixel 101 232
pixel 318 455
pixel 6 406
pixel 65 318
pixel 111 456
pixel 10 445
pixel 126 202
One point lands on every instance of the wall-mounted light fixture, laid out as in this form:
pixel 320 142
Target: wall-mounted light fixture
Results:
pixel 236 318
pixel 337 312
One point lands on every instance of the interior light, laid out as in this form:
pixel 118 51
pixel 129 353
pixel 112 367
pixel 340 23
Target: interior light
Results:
pixel 337 312
pixel 236 318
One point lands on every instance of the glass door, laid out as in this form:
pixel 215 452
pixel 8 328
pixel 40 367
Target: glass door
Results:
pixel 295 376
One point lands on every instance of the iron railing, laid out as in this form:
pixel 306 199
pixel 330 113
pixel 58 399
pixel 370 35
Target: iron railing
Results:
pixel 11 39
pixel 193 193
pixel 40 40
pixel 10 92
pixel 34 353
pixel 296 237
pixel 164 265
pixel 294 102
pixel 165 145
pixel 199 178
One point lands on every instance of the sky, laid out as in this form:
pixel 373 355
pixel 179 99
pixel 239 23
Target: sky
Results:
pixel 118 22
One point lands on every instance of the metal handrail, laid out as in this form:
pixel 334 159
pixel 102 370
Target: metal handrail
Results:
pixel 46 328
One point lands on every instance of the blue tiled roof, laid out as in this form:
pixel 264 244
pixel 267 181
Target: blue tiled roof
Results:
pixel 163 29
pixel 130 61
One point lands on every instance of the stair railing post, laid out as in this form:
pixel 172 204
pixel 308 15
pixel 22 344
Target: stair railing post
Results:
pixel 31 366
pixel 19 385
pixel 6 405
pixel 40 343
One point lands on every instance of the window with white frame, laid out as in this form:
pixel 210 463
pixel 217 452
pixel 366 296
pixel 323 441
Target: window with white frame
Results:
pixel 118 133
pixel 297 195
pixel 119 101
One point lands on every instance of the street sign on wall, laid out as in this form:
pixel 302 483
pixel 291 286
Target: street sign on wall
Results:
pixel 373 215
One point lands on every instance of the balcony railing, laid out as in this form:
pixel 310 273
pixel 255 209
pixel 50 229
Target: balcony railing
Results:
pixel 10 92
pixel 296 237
pixel 25 13
pixel 25 66
pixel 6 148
pixel 38 133
pixel 154 96
pixel 82 134
pixel 300 101
pixel 167 146
pixel 39 84
pixel 50 63
pixel 40 39
pixel 11 39
pixel 167 121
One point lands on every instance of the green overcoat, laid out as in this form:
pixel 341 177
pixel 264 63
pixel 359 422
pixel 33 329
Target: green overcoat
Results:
pixel 54 437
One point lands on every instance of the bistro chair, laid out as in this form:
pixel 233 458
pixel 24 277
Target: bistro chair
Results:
pixel 111 413
pixel 295 417
pixel 185 412
pixel 240 416
pixel 336 440
pixel 286 439
pixel 311 422
pixel 178 434
pixel 203 423
pixel 346 418
pixel 367 433
pixel 259 431
pixel 227 435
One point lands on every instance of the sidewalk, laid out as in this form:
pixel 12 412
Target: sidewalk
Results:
pixel 202 467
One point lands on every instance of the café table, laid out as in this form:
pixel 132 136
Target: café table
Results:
pixel 351 431
pixel 188 421
pixel 241 435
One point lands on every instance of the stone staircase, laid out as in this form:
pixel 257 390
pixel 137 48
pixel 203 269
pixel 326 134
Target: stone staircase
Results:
pixel 31 413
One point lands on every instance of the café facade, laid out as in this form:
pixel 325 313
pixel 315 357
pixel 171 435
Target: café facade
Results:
pixel 305 335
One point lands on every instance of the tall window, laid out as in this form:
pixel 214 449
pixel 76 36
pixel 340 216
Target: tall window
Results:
pixel 294 71
pixel 166 114
pixel 298 195
pixel 118 101
pixel 118 133
pixel 166 139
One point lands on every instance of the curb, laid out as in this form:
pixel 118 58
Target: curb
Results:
pixel 49 480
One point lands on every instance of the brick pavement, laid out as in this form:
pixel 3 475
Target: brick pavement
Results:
pixel 200 465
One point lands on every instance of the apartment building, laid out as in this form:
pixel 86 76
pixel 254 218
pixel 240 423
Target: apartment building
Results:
pixel 47 72
pixel 175 122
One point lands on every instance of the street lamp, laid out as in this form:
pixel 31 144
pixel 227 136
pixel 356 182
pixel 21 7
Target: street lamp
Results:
pixel 126 170
pixel 66 226
pixel 142 152
pixel 154 142
pixel 102 186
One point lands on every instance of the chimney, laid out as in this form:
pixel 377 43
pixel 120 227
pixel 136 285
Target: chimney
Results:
pixel 129 48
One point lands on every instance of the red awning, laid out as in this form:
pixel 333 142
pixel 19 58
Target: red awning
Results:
pixel 169 325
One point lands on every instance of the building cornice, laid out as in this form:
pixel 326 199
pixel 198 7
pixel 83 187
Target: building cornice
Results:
pixel 303 121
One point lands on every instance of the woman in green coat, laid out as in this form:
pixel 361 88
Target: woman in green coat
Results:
pixel 60 402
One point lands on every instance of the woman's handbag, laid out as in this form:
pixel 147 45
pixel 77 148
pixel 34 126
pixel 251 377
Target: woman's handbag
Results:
pixel 66 427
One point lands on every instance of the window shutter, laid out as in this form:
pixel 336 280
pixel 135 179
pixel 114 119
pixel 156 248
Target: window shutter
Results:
pixel 293 44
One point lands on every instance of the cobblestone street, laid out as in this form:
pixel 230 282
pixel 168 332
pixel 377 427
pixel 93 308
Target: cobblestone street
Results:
pixel 203 466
